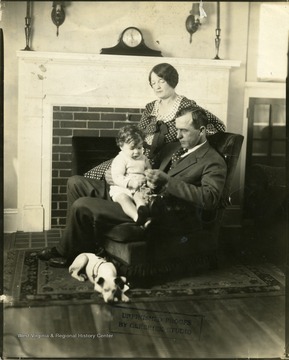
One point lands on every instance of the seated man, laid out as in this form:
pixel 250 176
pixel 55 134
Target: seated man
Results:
pixel 197 178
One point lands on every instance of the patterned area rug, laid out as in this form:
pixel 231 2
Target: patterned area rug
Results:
pixel 30 282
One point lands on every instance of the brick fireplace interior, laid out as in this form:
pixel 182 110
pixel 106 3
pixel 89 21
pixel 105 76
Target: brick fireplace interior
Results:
pixel 83 137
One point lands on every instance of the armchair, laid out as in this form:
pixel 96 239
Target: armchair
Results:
pixel 166 247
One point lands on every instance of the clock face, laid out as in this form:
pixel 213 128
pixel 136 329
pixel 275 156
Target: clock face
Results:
pixel 132 37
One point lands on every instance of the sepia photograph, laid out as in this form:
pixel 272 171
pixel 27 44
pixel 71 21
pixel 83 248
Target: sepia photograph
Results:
pixel 145 192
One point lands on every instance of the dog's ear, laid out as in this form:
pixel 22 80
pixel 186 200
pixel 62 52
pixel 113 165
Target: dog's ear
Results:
pixel 120 281
pixel 100 281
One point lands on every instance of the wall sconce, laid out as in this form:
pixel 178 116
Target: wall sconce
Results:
pixel 58 14
pixel 195 19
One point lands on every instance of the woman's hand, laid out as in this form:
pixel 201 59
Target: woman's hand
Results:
pixel 156 177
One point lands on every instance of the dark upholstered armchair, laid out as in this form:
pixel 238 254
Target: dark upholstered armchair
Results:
pixel 166 246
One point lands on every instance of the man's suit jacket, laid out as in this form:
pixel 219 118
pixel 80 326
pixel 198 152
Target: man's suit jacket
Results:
pixel 198 178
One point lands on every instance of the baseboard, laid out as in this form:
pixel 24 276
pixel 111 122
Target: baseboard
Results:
pixel 10 220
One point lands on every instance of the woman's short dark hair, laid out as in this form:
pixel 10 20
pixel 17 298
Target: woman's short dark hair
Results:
pixel 166 72
pixel 130 134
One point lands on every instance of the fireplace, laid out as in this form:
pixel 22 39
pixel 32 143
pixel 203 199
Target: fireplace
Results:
pixel 64 96
pixel 83 137
pixel 88 152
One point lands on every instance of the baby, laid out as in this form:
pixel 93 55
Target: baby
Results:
pixel 130 188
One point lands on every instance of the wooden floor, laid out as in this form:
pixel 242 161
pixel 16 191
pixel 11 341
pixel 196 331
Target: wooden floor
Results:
pixel 248 327
pixel 232 328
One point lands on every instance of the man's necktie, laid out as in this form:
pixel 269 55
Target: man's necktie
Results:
pixel 177 156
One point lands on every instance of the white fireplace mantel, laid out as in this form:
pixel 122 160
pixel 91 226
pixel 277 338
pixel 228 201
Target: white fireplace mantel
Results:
pixel 49 79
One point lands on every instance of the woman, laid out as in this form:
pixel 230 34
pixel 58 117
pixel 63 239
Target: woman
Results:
pixel 158 118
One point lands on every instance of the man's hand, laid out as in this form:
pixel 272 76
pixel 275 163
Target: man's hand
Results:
pixel 156 177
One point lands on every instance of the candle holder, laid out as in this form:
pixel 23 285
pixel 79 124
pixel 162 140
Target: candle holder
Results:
pixel 217 43
pixel 28 29
pixel 27 33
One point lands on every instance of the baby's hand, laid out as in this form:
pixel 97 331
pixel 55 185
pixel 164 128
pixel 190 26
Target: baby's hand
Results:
pixel 156 177
pixel 135 183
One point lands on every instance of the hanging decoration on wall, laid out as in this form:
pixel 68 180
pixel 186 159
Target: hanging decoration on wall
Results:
pixel 196 18
pixel 28 25
pixel 218 33
pixel 58 14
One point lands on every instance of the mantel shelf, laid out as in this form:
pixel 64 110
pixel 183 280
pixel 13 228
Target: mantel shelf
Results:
pixel 81 57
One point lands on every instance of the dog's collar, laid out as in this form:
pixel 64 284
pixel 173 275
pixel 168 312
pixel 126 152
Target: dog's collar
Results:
pixel 96 267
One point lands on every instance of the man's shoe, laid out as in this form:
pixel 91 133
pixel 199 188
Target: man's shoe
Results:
pixel 48 253
pixel 59 262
